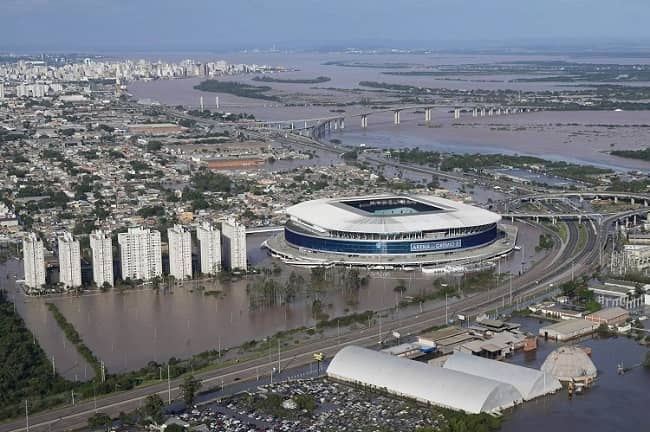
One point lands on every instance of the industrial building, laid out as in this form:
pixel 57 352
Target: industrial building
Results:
pixel 610 316
pixel 424 383
pixel 568 329
pixel 531 383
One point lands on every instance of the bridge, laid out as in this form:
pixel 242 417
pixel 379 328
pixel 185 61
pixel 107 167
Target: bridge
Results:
pixel 632 197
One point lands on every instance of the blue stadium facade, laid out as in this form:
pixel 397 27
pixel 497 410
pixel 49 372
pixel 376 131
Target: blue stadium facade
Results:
pixel 301 238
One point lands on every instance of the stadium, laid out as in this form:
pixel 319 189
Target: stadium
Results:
pixel 389 230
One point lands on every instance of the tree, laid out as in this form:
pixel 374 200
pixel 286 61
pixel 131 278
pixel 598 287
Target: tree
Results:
pixel 153 406
pixel 189 388
pixel 99 421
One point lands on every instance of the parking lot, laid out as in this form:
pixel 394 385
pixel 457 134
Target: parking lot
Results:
pixel 311 405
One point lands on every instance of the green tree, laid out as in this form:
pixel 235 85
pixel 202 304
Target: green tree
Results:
pixel 153 407
pixel 99 421
pixel 189 388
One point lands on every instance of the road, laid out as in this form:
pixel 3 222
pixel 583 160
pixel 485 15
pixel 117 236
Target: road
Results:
pixel 564 262
pixel 535 280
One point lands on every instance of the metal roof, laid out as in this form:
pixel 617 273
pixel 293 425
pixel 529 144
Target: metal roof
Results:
pixel 429 384
pixel 531 383
pixel 328 214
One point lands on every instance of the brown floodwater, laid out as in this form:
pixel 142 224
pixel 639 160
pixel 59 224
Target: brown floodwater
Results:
pixel 127 329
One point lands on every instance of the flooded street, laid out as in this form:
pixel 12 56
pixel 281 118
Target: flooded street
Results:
pixel 128 328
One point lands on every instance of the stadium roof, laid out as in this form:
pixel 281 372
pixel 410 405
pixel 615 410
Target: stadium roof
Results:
pixel 422 382
pixel 531 383
pixel 331 215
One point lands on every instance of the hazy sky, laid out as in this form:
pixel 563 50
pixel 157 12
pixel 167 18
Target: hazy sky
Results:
pixel 216 24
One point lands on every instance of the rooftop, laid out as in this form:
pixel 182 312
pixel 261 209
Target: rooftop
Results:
pixel 385 214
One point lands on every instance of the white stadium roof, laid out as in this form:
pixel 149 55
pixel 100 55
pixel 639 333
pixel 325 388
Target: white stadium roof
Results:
pixel 422 382
pixel 329 214
pixel 531 383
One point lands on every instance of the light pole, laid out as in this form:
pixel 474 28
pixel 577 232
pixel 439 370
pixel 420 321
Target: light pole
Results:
pixel 169 387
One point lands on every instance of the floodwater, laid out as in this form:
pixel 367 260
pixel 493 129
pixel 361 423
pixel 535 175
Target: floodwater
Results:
pixel 614 403
pixel 580 137
pixel 130 328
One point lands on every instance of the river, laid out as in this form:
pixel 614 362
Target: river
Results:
pixel 580 137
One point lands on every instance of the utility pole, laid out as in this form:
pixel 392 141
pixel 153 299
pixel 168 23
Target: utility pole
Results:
pixel 446 311
pixel 169 387
pixel 26 416
pixel 278 355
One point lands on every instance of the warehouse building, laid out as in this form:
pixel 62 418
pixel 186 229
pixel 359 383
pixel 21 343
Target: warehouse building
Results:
pixel 424 383
pixel 568 329
pixel 531 383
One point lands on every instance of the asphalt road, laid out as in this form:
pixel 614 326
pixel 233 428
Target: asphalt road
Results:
pixel 554 268
pixel 560 265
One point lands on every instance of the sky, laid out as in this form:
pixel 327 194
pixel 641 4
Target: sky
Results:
pixel 100 25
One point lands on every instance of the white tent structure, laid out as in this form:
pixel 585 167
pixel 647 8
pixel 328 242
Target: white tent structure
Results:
pixel 570 363
pixel 422 382
pixel 531 383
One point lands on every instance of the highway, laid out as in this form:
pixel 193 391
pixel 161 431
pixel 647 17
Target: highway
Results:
pixel 564 261
pixel 555 268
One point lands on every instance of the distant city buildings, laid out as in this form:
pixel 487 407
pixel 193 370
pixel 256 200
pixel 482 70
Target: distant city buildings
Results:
pixel 33 261
pixel 101 246
pixel 180 252
pixel 2 91
pixel 140 254
pixel 38 79
pixel 210 248
pixel 233 245
pixel 69 261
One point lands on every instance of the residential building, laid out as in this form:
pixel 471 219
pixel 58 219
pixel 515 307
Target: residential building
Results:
pixel 2 91
pixel 33 261
pixel 101 246
pixel 233 245
pixel 180 252
pixel 69 261
pixel 210 248
pixel 140 253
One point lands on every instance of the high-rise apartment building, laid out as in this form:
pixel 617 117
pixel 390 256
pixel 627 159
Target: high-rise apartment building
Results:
pixel 233 245
pixel 180 252
pixel 69 261
pixel 210 247
pixel 140 253
pixel 33 261
pixel 101 246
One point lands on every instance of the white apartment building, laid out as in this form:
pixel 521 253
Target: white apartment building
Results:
pixel 2 91
pixel 33 261
pixel 69 261
pixel 210 247
pixel 233 245
pixel 101 246
pixel 180 252
pixel 140 253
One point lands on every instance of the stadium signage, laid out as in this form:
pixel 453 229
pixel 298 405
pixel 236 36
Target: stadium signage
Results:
pixel 440 245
